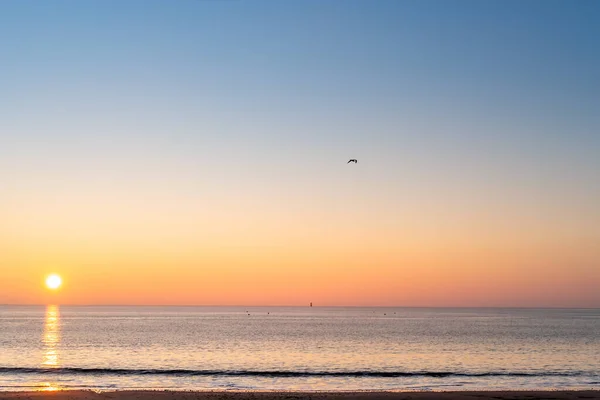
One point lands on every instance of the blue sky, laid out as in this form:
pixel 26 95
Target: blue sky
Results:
pixel 399 84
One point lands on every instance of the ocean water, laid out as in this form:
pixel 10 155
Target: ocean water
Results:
pixel 297 348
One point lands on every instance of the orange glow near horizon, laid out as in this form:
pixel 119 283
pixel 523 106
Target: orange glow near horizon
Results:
pixel 352 260
pixel 355 276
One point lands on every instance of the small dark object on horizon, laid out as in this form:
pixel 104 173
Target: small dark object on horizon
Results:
pixel 354 160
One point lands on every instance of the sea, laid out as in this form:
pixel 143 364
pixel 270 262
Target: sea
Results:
pixel 298 348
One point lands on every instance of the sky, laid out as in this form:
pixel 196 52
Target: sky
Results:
pixel 194 152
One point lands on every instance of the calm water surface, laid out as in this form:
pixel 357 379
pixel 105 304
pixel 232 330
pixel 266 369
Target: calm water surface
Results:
pixel 298 348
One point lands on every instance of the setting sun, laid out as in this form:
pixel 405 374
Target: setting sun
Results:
pixel 53 282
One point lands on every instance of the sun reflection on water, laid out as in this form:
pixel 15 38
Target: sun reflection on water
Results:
pixel 50 341
pixel 51 337
pixel 48 387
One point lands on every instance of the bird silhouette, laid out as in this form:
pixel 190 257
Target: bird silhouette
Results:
pixel 352 160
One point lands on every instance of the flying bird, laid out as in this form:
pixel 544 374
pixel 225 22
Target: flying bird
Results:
pixel 352 160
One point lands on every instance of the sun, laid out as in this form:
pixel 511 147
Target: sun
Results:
pixel 53 282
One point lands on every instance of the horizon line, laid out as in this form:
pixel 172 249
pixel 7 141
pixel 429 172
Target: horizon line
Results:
pixel 298 306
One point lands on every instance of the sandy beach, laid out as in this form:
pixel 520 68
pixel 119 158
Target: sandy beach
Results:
pixel 216 395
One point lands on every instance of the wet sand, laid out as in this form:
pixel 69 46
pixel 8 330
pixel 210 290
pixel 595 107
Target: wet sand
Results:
pixel 190 395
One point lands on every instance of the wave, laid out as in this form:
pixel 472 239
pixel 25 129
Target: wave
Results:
pixel 274 374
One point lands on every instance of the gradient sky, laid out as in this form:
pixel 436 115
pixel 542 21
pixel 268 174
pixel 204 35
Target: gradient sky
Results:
pixel 194 152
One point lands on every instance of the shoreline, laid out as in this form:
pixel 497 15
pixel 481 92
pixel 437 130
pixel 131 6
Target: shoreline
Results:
pixel 158 394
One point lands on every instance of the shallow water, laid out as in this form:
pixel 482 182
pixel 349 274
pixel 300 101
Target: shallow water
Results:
pixel 298 348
